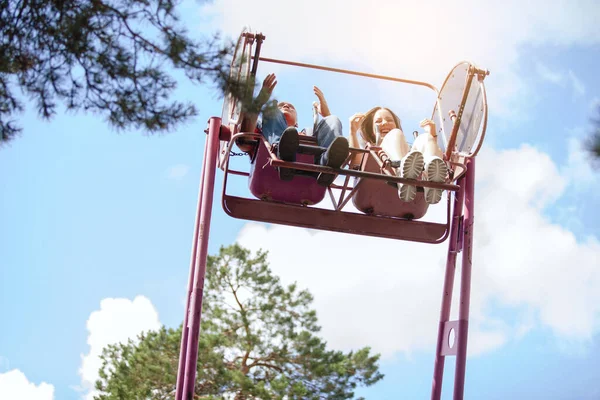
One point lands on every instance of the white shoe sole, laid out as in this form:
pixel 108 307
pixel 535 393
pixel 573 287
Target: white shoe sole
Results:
pixel 436 172
pixel 410 168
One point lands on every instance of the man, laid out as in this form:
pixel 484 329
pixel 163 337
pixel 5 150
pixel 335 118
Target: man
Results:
pixel 280 126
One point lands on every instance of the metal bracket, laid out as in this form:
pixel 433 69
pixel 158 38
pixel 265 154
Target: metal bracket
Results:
pixel 448 348
pixel 481 73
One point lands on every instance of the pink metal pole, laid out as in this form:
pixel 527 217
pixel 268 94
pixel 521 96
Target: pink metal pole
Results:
pixel 210 167
pixel 465 282
pixel 184 327
pixel 453 249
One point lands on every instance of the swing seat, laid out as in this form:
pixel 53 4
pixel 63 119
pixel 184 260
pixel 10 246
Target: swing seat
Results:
pixel 375 197
pixel 264 182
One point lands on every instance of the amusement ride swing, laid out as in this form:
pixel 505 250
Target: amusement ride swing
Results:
pixel 460 114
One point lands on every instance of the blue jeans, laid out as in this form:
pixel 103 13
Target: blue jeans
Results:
pixel 327 129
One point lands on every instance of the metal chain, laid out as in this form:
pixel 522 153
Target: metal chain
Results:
pixel 234 154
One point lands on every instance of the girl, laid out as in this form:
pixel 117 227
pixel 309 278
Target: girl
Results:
pixel 381 127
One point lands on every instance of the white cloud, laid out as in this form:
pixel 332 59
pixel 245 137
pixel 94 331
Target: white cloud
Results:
pixel 178 172
pixel 528 261
pixel 549 75
pixel 387 294
pixel 363 298
pixel 578 86
pixel 486 341
pixel 559 78
pixel 14 385
pixel 117 321
pixel 420 40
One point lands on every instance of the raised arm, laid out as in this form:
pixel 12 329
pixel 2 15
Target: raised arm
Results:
pixel 355 121
pixel 426 142
pixel 250 116
pixel 322 106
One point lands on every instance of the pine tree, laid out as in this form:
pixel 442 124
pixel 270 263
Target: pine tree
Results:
pixel 259 340
pixel 593 142
pixel 111 57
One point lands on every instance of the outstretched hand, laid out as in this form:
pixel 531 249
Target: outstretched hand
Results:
pixel 321 105
pixel 266 90
pixel 254 106
pixel 355 121
pixel 429 126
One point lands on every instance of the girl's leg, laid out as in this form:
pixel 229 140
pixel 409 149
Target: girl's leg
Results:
pixel 435 171
pixel 411 165
pixel 394 144
pixel 435 167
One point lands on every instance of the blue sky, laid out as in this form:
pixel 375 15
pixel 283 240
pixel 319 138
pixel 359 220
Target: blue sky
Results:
pixel 96 226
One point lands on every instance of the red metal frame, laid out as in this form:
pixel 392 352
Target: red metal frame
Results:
pixel 454 133
pixel 335 220
pixel 461 238
pixel 184 329
pixel 458 226
pixel 276 162
pixel 191 327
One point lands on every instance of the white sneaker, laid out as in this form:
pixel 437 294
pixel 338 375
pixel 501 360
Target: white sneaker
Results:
pixel 435 171
pixel 411 167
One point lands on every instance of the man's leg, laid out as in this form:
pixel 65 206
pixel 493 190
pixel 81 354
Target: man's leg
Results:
pixel 329 135
pixel 275 130
pixel 327 130
pixel 273 125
